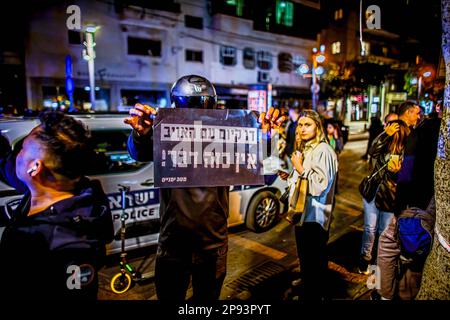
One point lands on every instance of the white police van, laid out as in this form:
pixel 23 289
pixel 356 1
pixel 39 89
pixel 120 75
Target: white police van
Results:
pixel 256 206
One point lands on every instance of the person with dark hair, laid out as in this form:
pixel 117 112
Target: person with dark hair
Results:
pixel 391 116
pixel 63 222
pixel 415 189
pixel 193 238
pixel 376 127
pixel 290 130
pixel 409 112
pixel 379 208
pixel 334 136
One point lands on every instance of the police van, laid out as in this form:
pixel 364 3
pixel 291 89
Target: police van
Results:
pixel 258 207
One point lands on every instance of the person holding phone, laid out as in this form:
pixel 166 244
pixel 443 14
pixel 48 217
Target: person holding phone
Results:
pixel 387 153
pixel 315 161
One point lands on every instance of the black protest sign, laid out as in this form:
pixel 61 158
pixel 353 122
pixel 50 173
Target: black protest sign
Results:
pixel 204 148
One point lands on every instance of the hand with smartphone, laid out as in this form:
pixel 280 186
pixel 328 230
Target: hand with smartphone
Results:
pixel 283 174
pixel 394 164
pixel 141 118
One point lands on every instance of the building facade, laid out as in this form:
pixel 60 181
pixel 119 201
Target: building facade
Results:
pixel 142 48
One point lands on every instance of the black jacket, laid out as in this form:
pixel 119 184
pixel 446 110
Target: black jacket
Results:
pixel 193 217
pixel 37 251
pixel 385 198
pixel 415 185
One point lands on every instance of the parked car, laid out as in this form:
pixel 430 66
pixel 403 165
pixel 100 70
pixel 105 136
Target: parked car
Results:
pixel 257 207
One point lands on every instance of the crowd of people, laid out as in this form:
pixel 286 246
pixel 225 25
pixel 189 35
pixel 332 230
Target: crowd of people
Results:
pixel 64 218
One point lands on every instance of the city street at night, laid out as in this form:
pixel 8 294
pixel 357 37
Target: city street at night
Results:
pixel 225 158
pixel 263 265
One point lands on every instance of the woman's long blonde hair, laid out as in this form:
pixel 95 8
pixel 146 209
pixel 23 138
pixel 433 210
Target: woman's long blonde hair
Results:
pixel 320 134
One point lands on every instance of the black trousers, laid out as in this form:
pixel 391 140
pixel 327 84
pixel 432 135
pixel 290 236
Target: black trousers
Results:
pixel 311 241
pixel 175 267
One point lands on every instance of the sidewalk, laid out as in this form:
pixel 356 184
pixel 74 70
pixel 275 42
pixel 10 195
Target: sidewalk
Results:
pixel 358 136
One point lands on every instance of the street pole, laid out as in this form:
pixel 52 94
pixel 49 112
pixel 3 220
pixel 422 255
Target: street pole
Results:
pixel 419 89
pixel 314 83
pixel 89 55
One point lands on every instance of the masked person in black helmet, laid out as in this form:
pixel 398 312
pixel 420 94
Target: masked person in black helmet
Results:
pixel 193 238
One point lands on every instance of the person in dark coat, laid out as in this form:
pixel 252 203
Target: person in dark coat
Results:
pixel 193 239
pixel 54 242
pixel 376 127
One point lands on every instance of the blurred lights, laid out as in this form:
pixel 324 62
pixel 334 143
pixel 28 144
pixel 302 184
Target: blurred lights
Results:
pixel 320 58
pixel 413 81
pixel 304 68
pixel 319 70
pixel 427 74
pixel 92 29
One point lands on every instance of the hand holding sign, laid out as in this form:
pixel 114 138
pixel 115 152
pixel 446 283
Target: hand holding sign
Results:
pixel 140 118
pixel 271 120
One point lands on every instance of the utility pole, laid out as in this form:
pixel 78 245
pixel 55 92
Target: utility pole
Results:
pixel 89 56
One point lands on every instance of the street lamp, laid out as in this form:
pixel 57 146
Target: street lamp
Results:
pixel 89 56
pixel 425 73
pixel 317 58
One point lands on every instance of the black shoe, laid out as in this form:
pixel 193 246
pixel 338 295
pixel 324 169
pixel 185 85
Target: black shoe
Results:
pixel 363 266
pixel 374 295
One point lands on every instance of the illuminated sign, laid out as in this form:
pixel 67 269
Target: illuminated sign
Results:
pixel 257 100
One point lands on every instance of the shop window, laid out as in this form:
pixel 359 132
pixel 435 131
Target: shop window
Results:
pixel 151 97
pixel 264 60
pixel 249 58
pixel 228 55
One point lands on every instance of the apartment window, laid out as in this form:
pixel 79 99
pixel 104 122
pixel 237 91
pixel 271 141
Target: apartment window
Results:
pixel 228 55
pixel 193 22
pixel 239 4
pixel 249 58
pixel 285 13
pixel 194 55
pixel 285 63
pixel 264 60
pixel 366 50
pixel 336 47
pixel 75 37
pixel 144 47
pixel 338 14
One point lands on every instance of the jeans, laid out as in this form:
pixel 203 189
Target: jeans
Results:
pixel 175 266
pixel 375 222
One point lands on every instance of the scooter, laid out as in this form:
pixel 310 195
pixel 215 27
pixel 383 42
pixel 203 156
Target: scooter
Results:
pixel 122 281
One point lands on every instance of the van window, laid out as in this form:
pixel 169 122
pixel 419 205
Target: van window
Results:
pixel 112 153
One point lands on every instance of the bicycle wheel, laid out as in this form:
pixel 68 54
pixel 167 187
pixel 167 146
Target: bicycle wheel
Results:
pixel 120 283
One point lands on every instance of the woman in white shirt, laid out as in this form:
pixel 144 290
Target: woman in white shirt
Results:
pixel 315 160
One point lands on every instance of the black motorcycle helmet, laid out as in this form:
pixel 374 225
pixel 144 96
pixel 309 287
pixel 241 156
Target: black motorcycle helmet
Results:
pixel 193 91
